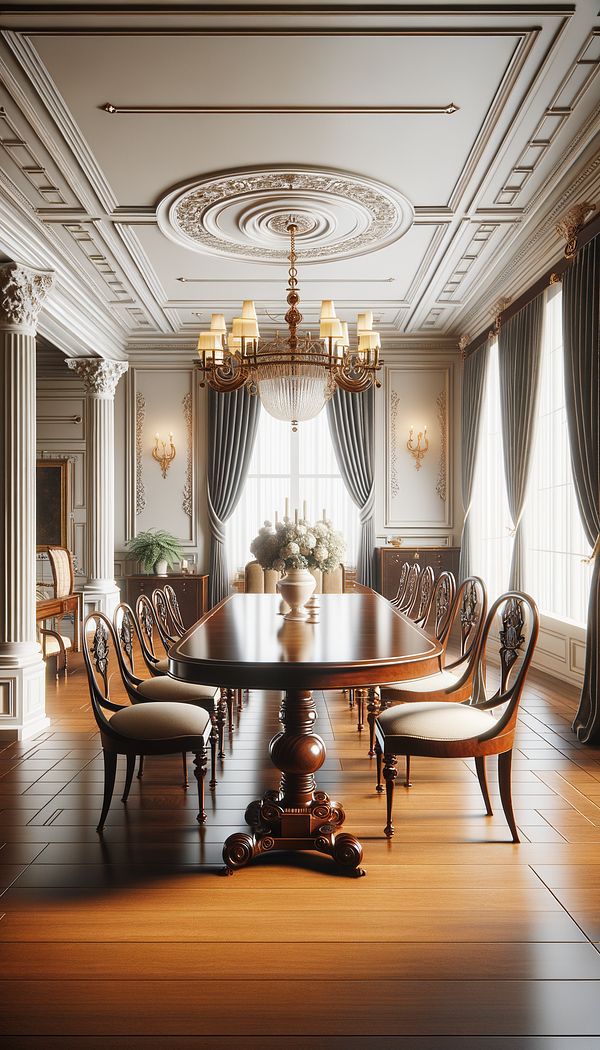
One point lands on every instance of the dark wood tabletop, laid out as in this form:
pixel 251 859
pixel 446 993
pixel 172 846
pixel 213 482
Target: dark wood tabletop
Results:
pixel 359 640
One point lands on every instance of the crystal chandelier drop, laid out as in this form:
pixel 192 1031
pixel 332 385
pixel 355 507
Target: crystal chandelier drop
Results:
pixel 293 376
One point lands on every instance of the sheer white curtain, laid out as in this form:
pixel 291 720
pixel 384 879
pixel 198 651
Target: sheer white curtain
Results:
pixel 300 466
pixel 555 544
pixel 491 540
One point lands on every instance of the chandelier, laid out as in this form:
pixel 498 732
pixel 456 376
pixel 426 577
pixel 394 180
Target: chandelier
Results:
pixel 293 376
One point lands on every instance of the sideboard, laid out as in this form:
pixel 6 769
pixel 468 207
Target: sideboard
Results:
pixel 191 591
pixel 390 559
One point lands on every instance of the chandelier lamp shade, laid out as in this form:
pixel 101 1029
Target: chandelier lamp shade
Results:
pixel 294 376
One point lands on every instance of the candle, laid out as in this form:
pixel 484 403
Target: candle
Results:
pixel 287 509
pixel 324 514
pixel 304 510
pixel 296 516
pixel 276 519
pixel 425 432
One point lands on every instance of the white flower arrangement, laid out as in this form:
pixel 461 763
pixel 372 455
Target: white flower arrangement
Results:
pixel 298 545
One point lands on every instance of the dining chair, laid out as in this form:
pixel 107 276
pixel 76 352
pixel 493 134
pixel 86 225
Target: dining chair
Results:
pixel 440 610
pixel 419 610
pixel 164 688
pixel 52 642
pixel 456 675
pixel 137 729
pixel 474 728
pixel 410 591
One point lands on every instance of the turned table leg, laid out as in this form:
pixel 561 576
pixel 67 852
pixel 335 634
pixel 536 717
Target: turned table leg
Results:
pixel 297 816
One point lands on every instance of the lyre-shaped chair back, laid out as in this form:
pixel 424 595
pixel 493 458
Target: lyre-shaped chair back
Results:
pixel 442 601
pixel 100 655
pixel 163 620
pixel 516 616
pixel 146 618
pixel 419 610
pixel 174 611
pixel 127 631
pixel 466 620
pixel 397 601
pixel 410 591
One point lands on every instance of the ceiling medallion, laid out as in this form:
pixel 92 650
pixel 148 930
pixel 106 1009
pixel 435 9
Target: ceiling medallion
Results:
pixel 243 214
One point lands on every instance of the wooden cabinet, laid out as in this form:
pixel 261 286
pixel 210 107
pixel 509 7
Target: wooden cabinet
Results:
pixel 191 591
pixel 390 560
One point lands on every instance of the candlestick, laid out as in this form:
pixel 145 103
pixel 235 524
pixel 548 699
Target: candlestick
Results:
pixel 304 510
pixel 287 507
pixel 276 519
pixel 296 516
pixel 324 514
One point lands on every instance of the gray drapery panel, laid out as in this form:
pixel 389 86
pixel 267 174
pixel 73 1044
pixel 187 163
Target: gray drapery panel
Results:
pixel 473 386
pixel 581 340
pixel 232 426
pixel 351 424
pixel 519 359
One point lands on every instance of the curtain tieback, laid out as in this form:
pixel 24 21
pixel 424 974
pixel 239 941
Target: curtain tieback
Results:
pixel 366 511
pixel 593 555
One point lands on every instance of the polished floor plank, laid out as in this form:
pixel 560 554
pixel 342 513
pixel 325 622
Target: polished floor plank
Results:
pixel 183 1007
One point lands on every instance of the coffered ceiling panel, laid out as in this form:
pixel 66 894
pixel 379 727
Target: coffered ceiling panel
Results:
pixel 474 123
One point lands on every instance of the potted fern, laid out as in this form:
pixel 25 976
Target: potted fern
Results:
pixel 155 550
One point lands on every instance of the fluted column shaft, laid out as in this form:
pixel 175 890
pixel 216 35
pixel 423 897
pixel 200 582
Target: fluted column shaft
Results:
pixel 22 693
pixel 100 378
pixel 100 449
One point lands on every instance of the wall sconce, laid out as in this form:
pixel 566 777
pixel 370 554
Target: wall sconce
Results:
pixel 419 449
pixel 163 457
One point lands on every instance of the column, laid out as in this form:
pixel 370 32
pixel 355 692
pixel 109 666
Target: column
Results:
pixel 100 378
pixel 22 669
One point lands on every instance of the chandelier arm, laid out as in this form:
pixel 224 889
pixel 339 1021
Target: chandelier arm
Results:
pixel 225 380
pixel 355 385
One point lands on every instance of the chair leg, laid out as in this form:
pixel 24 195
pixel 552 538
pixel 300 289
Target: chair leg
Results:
pixel 407 781
pixel 200 773
pixel 390 773
pixel 360 708
pixel 483 784
pixel 141 768
pixel 186 782
pixel 213 756
pixel 128 777
pixel 372 712
pixel 223 707
pixel 504 783
pixel 110 772
pixel 379 757
pixel 350 697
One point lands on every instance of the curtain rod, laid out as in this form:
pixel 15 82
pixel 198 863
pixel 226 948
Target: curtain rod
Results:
pixel 577 239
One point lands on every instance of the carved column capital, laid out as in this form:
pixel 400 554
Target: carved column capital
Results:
pixel 100 376
pixel 22 294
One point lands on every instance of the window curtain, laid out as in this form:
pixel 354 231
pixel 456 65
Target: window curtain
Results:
pixel 519 361
pixel 473 386
pixel 351 423
pixel 581 341
pixel 232 427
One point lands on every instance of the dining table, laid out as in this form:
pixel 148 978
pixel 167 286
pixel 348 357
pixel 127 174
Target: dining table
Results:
pixel 352 640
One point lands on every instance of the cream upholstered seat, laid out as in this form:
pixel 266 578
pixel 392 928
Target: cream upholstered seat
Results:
pixel 436 720
pixel 441 681
pixel 162 665
pixel 160 721
pixel 162 688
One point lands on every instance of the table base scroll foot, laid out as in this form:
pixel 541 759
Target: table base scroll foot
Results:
pixel 314 826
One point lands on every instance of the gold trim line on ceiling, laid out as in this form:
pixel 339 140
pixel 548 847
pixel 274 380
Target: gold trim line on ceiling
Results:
pixel 447 109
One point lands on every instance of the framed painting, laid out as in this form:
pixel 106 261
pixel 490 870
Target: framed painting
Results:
pixel 52 502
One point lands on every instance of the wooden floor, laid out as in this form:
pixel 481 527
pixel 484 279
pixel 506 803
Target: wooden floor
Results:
pixel 455 939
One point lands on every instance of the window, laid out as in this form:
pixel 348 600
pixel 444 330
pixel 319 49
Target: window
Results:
pixel 555 541
pixel 491 540
pixel 301 467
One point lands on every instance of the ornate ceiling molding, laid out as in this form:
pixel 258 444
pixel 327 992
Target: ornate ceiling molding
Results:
pixel 242 214
pixel 448 108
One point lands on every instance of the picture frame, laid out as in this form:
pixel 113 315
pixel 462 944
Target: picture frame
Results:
pixel 52 502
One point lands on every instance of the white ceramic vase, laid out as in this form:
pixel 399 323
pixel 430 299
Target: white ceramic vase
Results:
pixel 296 588
pixel 161 567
